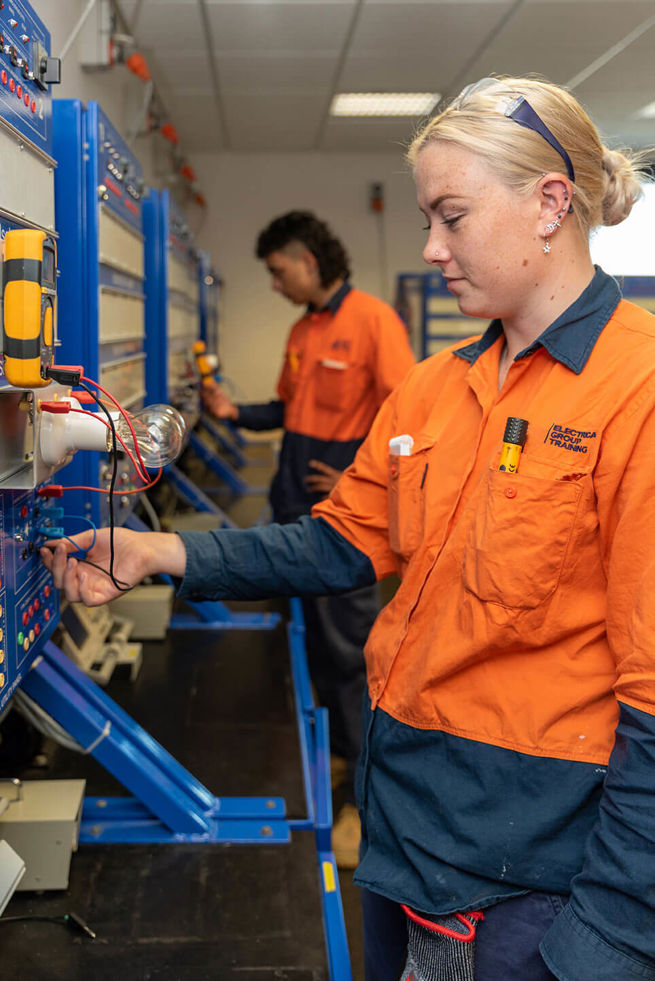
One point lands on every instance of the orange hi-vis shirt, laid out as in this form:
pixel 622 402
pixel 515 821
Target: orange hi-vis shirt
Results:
pixel 525 597
pixel 509 742
pixel 339 368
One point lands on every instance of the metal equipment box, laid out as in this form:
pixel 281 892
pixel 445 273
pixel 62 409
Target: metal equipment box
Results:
pixel 42 826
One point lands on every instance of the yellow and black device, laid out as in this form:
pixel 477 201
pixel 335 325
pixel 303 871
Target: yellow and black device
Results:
pixel 516 433
pixel 202 363
pixel 29 294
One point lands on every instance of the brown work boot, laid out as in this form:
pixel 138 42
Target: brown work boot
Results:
pixel 338 771
pixel 346 836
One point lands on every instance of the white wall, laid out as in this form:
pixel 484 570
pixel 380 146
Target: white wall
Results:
pixel 245 191
pixel 628 249
pixel 118 91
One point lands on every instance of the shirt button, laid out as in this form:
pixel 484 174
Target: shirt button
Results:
pixel 394 470
pixel 510 492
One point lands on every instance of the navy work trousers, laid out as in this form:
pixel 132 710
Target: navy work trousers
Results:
pixel 506 944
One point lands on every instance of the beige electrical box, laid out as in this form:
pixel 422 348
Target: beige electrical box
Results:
pixel 41 823
pixel 148 608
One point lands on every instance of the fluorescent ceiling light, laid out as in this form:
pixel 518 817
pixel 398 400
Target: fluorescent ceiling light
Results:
pixel 647 112
pixel 384 103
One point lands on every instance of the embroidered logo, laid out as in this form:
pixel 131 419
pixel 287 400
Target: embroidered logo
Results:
pixel 573 440
pixel 340 345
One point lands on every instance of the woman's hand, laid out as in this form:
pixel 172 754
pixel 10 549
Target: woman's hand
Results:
pixel 216 401
pixel 136 555
pixel 325 480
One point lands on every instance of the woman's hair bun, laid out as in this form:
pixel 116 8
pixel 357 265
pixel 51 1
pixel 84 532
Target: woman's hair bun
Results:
pixel 620 186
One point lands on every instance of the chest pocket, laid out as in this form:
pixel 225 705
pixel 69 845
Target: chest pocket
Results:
pixel 518 538
pixel 406 501
pixel 339 385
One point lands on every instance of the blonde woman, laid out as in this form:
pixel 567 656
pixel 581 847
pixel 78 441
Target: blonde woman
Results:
pixel 507 778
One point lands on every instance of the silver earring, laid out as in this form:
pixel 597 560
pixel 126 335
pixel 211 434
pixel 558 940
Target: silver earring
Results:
pixel 551 226
pixel 546 246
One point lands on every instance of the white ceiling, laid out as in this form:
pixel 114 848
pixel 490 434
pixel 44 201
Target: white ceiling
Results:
pixel 260 74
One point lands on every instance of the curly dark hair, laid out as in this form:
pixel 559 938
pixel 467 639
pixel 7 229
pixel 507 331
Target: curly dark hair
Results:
pixel 305 227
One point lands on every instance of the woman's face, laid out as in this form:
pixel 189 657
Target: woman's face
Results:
pixel 482 235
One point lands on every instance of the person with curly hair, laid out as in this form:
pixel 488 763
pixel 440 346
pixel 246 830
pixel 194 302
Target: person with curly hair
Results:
pixel 343 357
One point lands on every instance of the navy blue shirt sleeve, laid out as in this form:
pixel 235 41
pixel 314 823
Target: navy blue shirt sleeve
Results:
pixel 606 932
pixel 261 416
pixel 305 558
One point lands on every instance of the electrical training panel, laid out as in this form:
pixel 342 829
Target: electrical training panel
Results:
pixel 29 604
pixel 99 202
pixel 172 307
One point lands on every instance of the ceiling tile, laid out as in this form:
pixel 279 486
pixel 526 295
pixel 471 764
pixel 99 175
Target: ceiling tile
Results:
pixel 188 69
pixel 383 135
pixel 294 27
pixel 275 72
pixel 258 122
pixel 277 61
pixel 170 25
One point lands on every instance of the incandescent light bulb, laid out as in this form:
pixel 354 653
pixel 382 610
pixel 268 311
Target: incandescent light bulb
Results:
pixel 159 430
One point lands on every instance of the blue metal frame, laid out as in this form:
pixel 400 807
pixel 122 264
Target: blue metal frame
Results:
pixel 194 497
pixel 220 467
pixel 313 731
pixel 86 145
pixel 220 437
pixel 169 804
pixel 219 432
pixel 162 221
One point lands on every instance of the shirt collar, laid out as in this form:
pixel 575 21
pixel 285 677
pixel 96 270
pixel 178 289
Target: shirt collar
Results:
pixel 334 302
pixel 569 339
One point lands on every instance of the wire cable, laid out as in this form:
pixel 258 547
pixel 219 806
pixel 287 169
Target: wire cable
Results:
pixel 94 415
pixel 70 920
pixel 119 584
pixel 90 381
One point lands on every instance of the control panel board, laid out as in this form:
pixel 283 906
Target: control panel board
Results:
pixel 99 189
pixel 26 73
pixel 29 604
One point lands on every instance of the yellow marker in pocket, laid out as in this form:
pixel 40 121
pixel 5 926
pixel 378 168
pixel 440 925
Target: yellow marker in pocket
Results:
pixel 516 433
pixel 30 287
